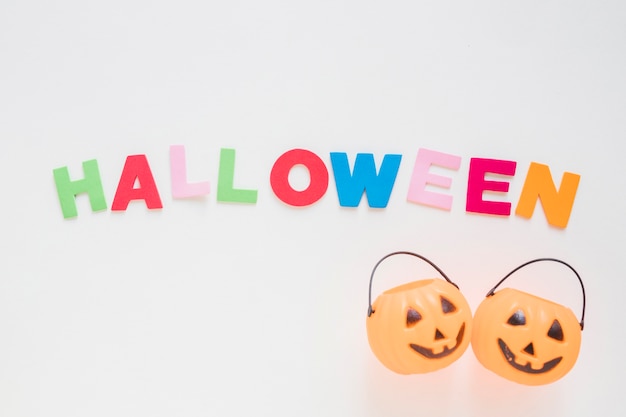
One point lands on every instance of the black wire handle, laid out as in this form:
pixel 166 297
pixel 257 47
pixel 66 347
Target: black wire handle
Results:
pixel 582 286
pixel 370 310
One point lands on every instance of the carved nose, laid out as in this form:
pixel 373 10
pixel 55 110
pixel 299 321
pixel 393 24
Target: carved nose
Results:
pixel 529 349
pixel 439 335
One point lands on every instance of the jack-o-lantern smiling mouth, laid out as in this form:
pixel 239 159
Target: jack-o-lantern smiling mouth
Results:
pixel 510 358
pixel 428 353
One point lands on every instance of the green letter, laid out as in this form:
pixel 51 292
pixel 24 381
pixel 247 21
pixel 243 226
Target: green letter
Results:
pixel 225 190
pixel 91 184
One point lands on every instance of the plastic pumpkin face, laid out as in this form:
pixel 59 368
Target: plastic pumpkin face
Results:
pixel 524 338
pixel 419 327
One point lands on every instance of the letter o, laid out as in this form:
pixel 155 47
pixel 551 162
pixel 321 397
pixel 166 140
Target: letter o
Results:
pixel 318 175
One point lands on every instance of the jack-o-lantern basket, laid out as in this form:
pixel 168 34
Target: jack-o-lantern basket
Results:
pixel 418 327
pixel 525 338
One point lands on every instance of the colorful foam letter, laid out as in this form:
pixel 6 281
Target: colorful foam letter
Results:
pixel 137 169
pixel 318 178
pixel 225 189
pixel 421 178
pixel 178 171
pixel 90 184
pixel 476 184
pixel 364 179
pixel 557 205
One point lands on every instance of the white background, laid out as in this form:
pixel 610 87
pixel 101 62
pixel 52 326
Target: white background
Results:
pixel 206 308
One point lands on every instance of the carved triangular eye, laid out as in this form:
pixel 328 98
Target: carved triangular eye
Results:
pixel 447 306
pixel 412 317
pixel 517 319
pixel 556 331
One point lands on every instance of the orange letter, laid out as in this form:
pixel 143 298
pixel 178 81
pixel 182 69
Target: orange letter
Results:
pixel 557 205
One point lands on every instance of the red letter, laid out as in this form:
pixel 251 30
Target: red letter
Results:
pixel 476 184
pixel 318 174
pixel 136 168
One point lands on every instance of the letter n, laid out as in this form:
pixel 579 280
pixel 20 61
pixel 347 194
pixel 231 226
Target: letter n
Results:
pixel 557 204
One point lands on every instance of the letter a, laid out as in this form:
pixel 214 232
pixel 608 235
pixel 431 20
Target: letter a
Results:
pixel 137 169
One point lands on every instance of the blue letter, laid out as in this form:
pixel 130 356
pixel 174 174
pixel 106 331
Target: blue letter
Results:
pixel 377 187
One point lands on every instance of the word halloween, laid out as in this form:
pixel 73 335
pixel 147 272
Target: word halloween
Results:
pixel 137 183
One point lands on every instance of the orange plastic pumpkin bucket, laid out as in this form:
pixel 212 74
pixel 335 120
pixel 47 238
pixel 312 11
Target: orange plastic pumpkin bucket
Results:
pixel 418 327
pixel 525 338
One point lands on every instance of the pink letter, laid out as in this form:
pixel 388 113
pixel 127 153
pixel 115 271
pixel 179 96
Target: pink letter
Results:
pixel 178 169
pixel 421 177
pixel 476 184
